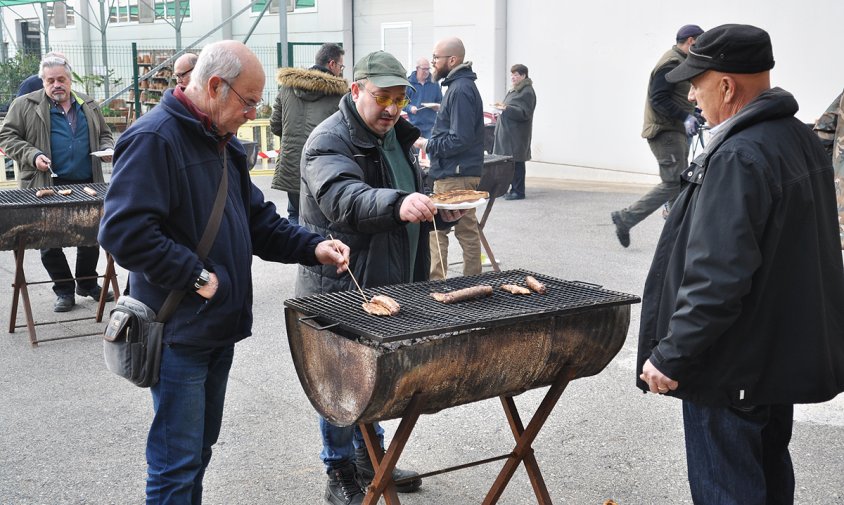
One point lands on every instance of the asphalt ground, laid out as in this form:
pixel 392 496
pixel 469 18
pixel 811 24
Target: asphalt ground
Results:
pixel 73 433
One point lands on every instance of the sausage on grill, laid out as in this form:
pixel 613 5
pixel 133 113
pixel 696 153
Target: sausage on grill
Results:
pixel 535 285
pixel 41 193
pixel 382 305
pixel 461 295
pixel 514 289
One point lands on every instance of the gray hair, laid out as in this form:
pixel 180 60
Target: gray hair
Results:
pixel 51 60
pixel 215 59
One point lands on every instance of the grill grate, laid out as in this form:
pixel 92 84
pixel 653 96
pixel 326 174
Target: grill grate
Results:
pixel 422 316
pixel 25 198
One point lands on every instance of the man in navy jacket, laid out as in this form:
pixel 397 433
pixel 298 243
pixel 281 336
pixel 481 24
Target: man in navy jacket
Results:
pixel 425 96
pixel 167 170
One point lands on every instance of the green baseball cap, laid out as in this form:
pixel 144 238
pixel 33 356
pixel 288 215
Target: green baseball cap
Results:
pixel 383 69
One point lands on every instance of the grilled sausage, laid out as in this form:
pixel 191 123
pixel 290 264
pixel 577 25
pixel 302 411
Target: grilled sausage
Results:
pixel 535 285
pixel 515 290
pixel 65 192
pixel 90 191
pixel 461 295
pixel 41 193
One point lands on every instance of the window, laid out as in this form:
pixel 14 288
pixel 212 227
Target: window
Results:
pixel 61 15
pixel 134 11
pixel 291 5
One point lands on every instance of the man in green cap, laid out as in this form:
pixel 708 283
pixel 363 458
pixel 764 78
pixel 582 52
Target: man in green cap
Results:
pixel 361 185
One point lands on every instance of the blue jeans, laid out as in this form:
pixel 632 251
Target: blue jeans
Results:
pixel 338 444
pixel 188 403
pixel 739 456
pixel 293 208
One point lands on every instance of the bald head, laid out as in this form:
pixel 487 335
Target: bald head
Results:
pixel 451 46
pixel 183 67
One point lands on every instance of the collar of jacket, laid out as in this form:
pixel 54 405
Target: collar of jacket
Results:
pixel 774 103
pixel 311 79
pixel 464 70
pixel 522 84
pixel 363 137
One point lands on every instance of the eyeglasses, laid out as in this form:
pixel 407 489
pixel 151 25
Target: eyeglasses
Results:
pixel 181 75
pixel 385 101
pixel 247 107
pixel 435 57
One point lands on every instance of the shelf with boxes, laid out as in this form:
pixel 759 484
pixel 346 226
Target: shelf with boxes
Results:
pixel 151 88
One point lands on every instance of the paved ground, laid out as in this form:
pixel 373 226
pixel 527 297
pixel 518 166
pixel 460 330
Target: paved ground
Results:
pixel 72 433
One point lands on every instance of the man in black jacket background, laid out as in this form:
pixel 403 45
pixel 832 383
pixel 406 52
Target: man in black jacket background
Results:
pixel 743 308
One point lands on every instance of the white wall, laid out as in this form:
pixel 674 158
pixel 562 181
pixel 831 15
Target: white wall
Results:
pixel 590 64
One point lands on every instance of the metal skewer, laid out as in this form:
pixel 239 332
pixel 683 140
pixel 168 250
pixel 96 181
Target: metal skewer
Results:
pixel 349 269
pixel 50 168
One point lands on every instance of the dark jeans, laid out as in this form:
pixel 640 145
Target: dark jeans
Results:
pixel 188 403
pixel 739 456
pixel 338 444
pixel 55 263
pixel 518 184
pixel 293 208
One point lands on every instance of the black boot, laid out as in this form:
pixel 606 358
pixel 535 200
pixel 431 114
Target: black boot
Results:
pixel 366 473
pixel 343 487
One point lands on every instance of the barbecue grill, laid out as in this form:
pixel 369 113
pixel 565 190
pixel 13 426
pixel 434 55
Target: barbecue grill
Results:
pixel 30 222
pixel 358 368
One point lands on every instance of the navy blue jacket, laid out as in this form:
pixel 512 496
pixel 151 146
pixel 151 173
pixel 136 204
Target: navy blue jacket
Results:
pixel 423 92
pixel 456 147
pixel 167 169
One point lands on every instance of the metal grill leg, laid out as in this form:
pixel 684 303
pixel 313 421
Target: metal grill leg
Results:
pixel 382 483
pixel 109 277
pixel 524 438
pixel 20 289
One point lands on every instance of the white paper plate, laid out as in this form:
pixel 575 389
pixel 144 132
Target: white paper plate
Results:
pixel 460 206
pixel 428 104
pixel 101 154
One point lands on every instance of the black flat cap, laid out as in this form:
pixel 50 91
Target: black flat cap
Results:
pixel 733 49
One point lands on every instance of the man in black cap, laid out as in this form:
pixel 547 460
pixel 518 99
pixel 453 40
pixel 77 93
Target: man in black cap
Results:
pixel 361 184
pixel 743 308
pixel 669 122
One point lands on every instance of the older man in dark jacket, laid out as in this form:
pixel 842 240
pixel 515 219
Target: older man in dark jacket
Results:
pixel 305 98
pixel 743 309
pixel 361 184
pixel 168 167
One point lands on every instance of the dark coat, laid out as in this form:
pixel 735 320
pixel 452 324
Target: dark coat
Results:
pixel 167 168
pixel 456 147
pixel 347 191
pixel 744 302
pixel 305 98
pixel 514 127
pixel 423 92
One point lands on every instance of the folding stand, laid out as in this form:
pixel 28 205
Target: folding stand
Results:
pixel 495 179
pixel 384 464
pixel 20 290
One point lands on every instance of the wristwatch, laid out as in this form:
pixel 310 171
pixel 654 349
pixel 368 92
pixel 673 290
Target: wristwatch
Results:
pixel 203 279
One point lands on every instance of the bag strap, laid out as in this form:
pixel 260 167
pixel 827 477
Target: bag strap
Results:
pixel 205 242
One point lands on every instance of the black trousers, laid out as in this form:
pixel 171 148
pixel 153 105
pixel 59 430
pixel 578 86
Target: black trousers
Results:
pixel 55 262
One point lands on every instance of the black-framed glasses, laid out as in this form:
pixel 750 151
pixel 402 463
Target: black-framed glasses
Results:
pixel 435 57
pixel 181 75
pixel 385 101
pixel 247 107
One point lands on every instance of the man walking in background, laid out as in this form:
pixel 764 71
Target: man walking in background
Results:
pixel 305 98
pixel 669 122
pixel 456 150
pixel 425 96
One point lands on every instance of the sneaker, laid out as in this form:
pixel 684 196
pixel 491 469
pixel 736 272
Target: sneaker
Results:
pixel 622 231
pixel 366 473
pixel 95 293
pixel 64 303
pixel 343 487
pixel 514 196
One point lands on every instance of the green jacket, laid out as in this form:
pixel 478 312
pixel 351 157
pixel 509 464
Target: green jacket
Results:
pixel 26 132
pixel 514 127
pixel 656 123
pixel 305 98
